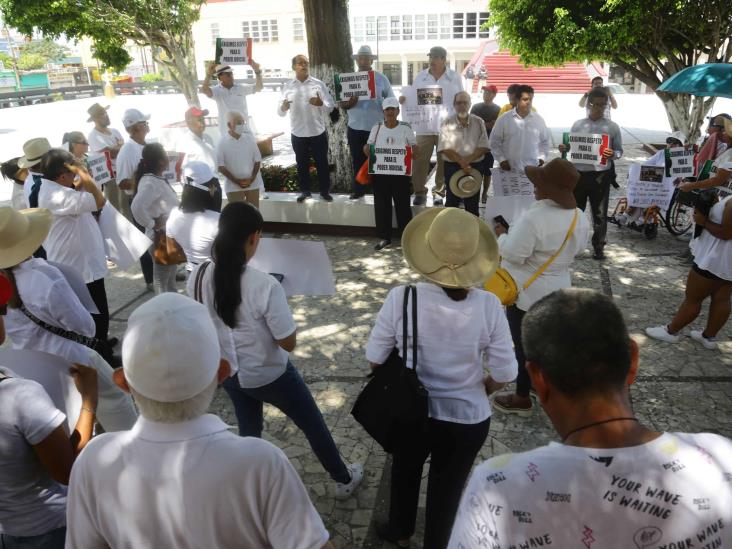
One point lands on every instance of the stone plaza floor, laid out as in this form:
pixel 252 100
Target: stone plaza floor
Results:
pixel 680 387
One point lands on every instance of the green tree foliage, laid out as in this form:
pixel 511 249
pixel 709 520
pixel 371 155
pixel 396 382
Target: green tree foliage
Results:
pixel 31 61
pixel 39 53
pixel 651 40
pixel 165 25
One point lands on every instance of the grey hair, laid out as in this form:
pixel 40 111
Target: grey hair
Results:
pixel 175 412
pixel 462 93
pixel 230 115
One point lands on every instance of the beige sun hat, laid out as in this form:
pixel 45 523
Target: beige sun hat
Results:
pixel 33 151
pixel 21 233
pixel 465 185
pixel 450 247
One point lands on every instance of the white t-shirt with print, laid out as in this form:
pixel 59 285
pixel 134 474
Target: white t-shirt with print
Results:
pixel 262 318
pixel 672 492
pixel 194 232
pixel 31 502
pixel 401 135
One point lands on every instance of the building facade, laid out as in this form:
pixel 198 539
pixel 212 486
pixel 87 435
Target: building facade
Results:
pixel 400 32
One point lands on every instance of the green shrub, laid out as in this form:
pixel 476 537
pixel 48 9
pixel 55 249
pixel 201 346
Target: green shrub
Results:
pixel 284 180
pixel 152 77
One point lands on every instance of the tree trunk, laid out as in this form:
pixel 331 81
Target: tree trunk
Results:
pixel 329 47
pixel 686 113
pixel 181 64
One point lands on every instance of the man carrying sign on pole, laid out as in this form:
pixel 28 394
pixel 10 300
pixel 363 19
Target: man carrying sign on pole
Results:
pixel 594 183
pixel 363 114
pixel 228 95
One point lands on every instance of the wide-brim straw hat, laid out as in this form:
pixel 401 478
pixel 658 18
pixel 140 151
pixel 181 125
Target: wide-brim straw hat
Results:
pixel 33 151
pixel 728 127
pixel 21 233
pixel 465 185
pixel 557 180
pixel 450 247
pixel 95 110
pixel 364 51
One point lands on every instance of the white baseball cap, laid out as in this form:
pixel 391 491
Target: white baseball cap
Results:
pixel 679 136
pixel 170 351
pixel 390 103
pixel 133 116
pixel 198 174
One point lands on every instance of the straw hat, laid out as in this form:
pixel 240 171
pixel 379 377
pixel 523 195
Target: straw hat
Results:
pixel 557 180
pixel 33 151
pixel 21 233
pixel 364 51
pixel 465 185
pixel 95 110
pixel 728 127
pixel 450 247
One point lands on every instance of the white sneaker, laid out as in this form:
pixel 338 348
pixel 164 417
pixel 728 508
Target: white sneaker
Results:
pixel 661 332
pixel 708 342
pixel 344 491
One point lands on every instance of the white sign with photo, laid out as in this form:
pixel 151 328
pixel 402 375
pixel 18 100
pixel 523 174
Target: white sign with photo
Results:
pixel 423 108
pixel 648 186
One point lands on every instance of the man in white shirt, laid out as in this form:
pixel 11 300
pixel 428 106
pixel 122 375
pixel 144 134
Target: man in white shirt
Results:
pixel 308 101
pixel 196 144
pixel 128 159
pixel 228 95
pixel 180 478
pixel 520 138
pixel 437 74
pixel 103 139
pixel 611 482
pixel 238 160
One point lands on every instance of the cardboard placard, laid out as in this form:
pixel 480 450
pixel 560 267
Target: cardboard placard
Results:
pixel 679 162
pixel 390 160
pixel 511 183
pixel 648 186
pixel 99 166
pixel 233 51
pixel 175 163
pixel 124 243
pixel 424 109
pixel 586 148
pixel 355 84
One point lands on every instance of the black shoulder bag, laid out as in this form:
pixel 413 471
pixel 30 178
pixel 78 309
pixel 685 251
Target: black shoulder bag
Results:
pixel 393 404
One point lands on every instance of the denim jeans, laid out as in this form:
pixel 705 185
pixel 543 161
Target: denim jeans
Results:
pixel 55 539
pixel 290 395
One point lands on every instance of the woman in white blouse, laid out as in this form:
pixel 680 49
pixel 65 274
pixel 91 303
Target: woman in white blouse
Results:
pixel 154 201
pixel 532 239
pixel 387 188
pixel 458 328
pixel 16 176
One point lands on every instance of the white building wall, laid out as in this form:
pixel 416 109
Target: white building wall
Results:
pixel 402 32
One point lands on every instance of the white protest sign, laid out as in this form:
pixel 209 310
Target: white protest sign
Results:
pixel 647 186
pixel 679 162
pixel 390 160
pixel 233 51
pixel 99 166
pixel 424 108
pixel 511 183
pixel 124 243
pixel 173 171
pixel 355 84
pixel 586 148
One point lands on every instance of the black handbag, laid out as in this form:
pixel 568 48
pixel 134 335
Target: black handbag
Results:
pixel 392 407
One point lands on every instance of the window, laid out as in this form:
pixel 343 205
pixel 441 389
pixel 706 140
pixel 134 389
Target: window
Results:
pixel 358 29
pixel 419 27
pixel 395 29
pixel 407 22
pixel 370 29
pixel 432 30
pixel 261 31
pixel 215 33
pixel 273 31
pixel 482 20
pixel 381 27
pixel 298 28
pixel 471 25
pixel 458 25
pixel 445 26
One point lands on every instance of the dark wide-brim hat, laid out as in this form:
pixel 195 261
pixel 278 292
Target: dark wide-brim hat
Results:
pixel 557 180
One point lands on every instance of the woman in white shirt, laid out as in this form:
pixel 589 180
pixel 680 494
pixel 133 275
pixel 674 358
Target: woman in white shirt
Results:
pixel 532 239
pixel 387 188
pixel 16 176
pixel 71 195
pixel 257 333
pixel 151 206
pixel 195 223
pixel 76 144
pixel 458 328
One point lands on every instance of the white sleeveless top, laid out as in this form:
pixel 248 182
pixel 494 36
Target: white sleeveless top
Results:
pixel 711 253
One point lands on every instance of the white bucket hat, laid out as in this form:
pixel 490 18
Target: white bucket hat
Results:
pixel 21 233
pixel 465 185
pixel 451 247
pixel 364 51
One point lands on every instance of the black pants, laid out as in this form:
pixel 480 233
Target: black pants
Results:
pixel 146 261
pixel 356 141
pixel 453 447
pixel 595 187
pixel 388 188
pixel 101 321
pixel 471 202
pixel 515 316
pixel 318 147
